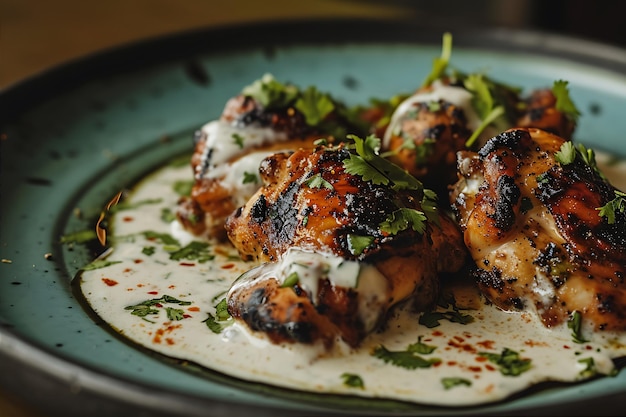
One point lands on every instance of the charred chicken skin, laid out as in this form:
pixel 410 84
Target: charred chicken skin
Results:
pixel 311 203
pixel 528 204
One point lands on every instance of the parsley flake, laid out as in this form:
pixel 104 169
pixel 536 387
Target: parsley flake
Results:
pixel 250 178
pixel 440 64
pixel 357 244
pixel 613 207
pixel 317 181
pixel 509 362
pixel 451 382
pixel 564 103
pixel 575 324
pixel 352 380
pixel 404 358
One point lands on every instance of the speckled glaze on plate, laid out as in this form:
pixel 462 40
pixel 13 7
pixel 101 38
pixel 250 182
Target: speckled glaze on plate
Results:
pixel 74 136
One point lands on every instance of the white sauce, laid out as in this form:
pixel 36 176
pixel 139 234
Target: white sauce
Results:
pixel 458 96
pixel 221 160
pixel 142 275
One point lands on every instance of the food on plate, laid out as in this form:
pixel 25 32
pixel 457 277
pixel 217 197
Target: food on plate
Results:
pixel 357 250
pixel 267 116
pixel 531 207
pixel 347 236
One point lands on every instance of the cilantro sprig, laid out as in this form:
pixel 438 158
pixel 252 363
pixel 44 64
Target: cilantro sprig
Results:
pixel 411 358
pixel 440 64
pixel 509 362
pixel 314 105
pixel 564 102
pixel 368 164
pixel 484 103
pixel 613 207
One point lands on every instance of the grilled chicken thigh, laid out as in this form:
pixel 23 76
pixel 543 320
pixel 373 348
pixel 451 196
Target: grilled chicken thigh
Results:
pixel 312 214
pixel 528 202
pixel 266 117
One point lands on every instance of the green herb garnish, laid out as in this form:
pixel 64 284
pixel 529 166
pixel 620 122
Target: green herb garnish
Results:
pixel 250 178
pixel 440 64
pixel 575 324
pixel 317 181
pixel 509 362
pixel 613 207
pixel 404 358
pixel 357 244
pixel 564 103
pixel 483 103
pixel 452 382
pixel 352 380
pixel 148 307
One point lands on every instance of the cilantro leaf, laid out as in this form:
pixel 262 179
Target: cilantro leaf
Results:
pixel 249 178
pixel 404 358
pixel 317 181
pixel 271 93
pixel 197 251
pixel 212 324
pixel 509 362
pixel 483 103
pixel 357 243
pixel 352 380
pixel 575 324
pixel 314 105
pixel 402 219
pixel 613 207
pixel 451 382
pixel 440 64
pixel 564 103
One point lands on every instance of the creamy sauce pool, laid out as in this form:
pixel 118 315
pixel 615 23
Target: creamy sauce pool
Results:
pixel 161 289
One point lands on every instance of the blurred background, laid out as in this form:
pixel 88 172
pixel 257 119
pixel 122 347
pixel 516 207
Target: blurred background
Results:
pixel 36 35
pixel 39 34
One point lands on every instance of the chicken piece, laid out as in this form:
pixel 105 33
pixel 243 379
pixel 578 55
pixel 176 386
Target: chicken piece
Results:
pixel 267 117
pixel 429 127
pixel 540 111
pixel 312 212
pixel 527 203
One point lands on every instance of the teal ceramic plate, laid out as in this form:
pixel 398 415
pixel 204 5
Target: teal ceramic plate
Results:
pixel 75 135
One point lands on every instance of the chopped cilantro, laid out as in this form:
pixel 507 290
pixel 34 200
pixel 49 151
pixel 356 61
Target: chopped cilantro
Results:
pixel 216 323
pixel 404 358
pixel 79 237
pixel 613 207
pixel 352 380
pixel 174 313
pixel 238 140
pixel 221 310
pixel 148 250
pixel 183 187
pixel 420 347
pixel 451 382
pixel 196 251
pixel 250 178
pixel 167 215
pixel 431 319
pixel 484 103
pixel 271 93
pixel 314 105
pixel 440 64
pixel 317 181
pixel 402 219
pixel 212 324
pixel 164 238
pixel 148 307
pixel 564 103
pixel 575 324
pixel 509 362
pixel 357 244
pixel 590 368
pixel 97 264
pixel 291 280
pixel 568 153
